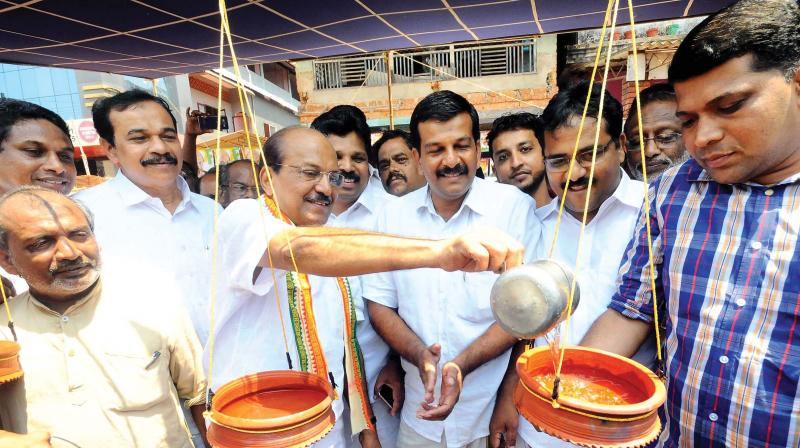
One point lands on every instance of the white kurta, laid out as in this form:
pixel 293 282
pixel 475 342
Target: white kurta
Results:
pixel 139 236
pixel 249 338
pixel 452 308
pixel 604 242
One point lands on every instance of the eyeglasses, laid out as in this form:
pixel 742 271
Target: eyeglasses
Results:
pixel 335 178
pixel 662 141
pixel 241 189
pixel 559 164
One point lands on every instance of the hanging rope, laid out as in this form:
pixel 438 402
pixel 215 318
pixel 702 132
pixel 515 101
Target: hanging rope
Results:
pixel 588 190
pixel 652 270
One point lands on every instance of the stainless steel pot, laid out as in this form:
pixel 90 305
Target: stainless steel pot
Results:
pixel 529 300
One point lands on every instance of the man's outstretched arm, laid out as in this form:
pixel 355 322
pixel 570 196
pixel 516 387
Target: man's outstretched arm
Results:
pixel 616 333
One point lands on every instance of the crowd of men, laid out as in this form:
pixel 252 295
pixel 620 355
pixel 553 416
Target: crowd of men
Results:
pixel 385 254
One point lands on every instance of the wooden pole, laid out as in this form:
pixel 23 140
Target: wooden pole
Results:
pixel 389 69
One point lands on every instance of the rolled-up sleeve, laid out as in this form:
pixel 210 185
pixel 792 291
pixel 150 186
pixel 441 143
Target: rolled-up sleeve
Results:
pixel 634 296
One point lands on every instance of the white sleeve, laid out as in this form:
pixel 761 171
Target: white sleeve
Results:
pixel 525 226
pixel 244 239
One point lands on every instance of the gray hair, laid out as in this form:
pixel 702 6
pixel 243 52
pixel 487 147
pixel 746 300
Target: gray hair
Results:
pixel 32 190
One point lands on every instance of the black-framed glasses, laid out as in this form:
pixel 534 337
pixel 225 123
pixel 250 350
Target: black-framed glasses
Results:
pixel 242 189
pixel 307 174
pixel 666 140
pixel 559 164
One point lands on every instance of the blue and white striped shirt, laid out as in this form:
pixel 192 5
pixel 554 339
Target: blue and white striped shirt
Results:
pixel 728 283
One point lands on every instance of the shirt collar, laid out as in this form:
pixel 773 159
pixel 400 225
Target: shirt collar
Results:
pixel 131 194
pixel 696 173
pixel 628 192
pixel 91 298
pixel 477 199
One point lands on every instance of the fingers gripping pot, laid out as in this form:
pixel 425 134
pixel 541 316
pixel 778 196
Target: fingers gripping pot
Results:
pixel 529 300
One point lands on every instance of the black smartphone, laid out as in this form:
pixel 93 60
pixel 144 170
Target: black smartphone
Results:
pixel 385 394
pixel 209 122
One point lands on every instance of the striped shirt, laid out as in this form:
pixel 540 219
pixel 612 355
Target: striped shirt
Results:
pixel 728 281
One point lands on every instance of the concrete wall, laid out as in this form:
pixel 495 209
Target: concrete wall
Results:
pixel 516 91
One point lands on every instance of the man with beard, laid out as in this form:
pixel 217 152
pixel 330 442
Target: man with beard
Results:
pixel 147 219
pixel 260 242
pixel 106 361
pixel 399 174
pixel 441 323
pixel 359 201
pixel 663 142
pixel 725 234
pixel 614 206
pixel 515 144
pixel 35 149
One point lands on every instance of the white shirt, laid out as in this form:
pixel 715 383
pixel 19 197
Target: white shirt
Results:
pixel 363 215
pixel 20 285
pixel 604 241
pixel 248 330
pixel 138 235
pixel 452 308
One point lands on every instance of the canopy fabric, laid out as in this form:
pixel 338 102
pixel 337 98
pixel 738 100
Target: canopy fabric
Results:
pixel 157 38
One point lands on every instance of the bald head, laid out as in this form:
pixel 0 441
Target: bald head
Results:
pixel 290 137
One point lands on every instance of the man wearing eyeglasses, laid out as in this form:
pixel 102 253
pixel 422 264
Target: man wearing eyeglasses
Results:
pixel 663 142
pixel 613 207
pixel 261 239
pixel 241 183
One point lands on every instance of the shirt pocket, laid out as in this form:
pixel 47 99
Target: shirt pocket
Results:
pixel 476 306
pixel 136 381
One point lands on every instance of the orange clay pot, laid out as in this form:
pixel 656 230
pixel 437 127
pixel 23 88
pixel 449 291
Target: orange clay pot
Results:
pixel 588 423
pixel 10 369
pixel 281 409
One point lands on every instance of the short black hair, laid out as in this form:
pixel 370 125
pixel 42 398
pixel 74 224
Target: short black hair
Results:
pixel 569 103
pixel 13 111
pixel 769 30
pixel 390 135
pixel 342 120
pixel 101 110
pixel 656 92
pixel 442 106
pixel 513 122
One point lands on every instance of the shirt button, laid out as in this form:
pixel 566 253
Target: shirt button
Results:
pixel 755 245
pixel 71 352
pixel 713 417
pixel 769 192
pixel 65 319
pixel 723 359
pixel 740 302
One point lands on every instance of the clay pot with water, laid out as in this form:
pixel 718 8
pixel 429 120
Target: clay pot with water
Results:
pixel 10 368
pixel 530 300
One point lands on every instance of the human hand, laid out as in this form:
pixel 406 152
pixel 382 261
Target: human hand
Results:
pixel 39 439
pixel 452 380
pixel 484 250
pixel 505 420
pixel 427 362
pixel 193 124
pixel 369 439
pixel 392 375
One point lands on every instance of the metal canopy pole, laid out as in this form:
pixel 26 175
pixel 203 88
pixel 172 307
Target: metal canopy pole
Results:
pixel 389 70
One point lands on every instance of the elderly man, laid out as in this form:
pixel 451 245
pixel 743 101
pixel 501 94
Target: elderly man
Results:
pixel 399 174
pixel 301 178
pixel 148 222
pixel 661 129
pixel 35 149
pixel 725 238
pixel 515 144
pixel 441 323
pixel 106 361
pixel 364 199
pixel 240 181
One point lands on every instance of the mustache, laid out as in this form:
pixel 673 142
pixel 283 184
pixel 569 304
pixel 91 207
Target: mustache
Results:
pixel 395 175
pixel 159 159
pixel 351 175
pixel 319 197
pixel 458 170
pixel 582 182
pixel 70 265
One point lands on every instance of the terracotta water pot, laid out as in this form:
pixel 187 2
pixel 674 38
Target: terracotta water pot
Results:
pixel 10 369
pixel 281 409
pixel 632 424
pixel 628 34
pixel 652 32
